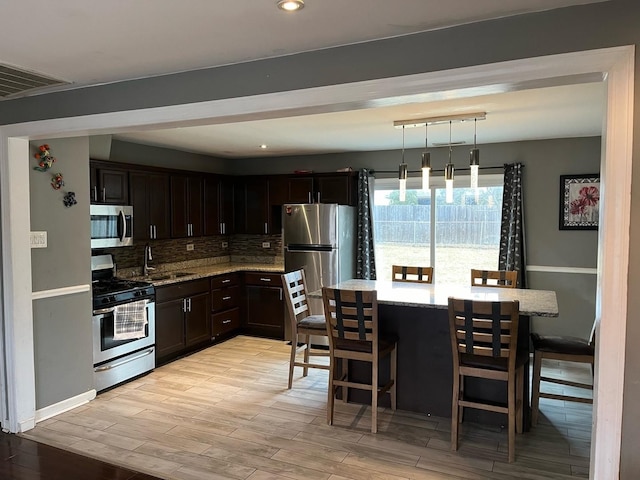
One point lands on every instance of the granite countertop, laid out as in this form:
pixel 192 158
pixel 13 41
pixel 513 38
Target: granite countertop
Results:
pixel 167 275
pixel 541 303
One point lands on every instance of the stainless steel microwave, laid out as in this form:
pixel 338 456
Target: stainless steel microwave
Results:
pixel 111 226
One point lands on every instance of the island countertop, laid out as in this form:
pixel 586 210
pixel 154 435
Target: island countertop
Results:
pixel 542 303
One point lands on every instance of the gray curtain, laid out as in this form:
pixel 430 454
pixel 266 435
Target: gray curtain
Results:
pixel 365 257
pixel 512 239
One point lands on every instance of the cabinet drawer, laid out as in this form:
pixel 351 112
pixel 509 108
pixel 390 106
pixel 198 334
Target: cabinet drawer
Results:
pixel 225 298
pixel 181 290
pixel 225 322
pixel 226 280
pixel 266 279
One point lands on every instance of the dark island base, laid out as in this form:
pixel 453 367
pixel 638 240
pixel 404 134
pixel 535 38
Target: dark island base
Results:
pixel 425 367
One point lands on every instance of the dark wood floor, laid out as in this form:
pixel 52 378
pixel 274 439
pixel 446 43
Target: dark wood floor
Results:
pixel 24 459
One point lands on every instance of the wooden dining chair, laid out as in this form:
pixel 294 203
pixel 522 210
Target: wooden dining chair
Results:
pixel 401 273
pixel 303 324
pixel 352 326
pixel 494 278
pixel 565 348
pixel 484 337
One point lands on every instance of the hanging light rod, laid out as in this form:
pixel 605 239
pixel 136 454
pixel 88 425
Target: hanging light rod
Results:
pixel 421 122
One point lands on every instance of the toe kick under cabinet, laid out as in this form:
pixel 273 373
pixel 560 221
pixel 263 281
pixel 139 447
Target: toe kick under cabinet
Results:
pixel 226 297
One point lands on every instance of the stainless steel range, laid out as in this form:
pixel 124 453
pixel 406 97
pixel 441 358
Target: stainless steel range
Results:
pixel 123 325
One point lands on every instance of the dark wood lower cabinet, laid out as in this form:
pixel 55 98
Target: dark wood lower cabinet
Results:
pixel 225 322
pixel 198 327
pixel 265 313
pixel 169 328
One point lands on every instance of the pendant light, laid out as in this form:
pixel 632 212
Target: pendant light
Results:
pixel 474 158
pixel 402 173
pixel 426 161
pixel 448 174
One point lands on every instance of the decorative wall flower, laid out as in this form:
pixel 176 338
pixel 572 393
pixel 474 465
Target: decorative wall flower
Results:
pixel 46 160
pixel 57 181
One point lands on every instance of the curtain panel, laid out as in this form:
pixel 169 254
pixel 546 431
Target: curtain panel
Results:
pixel 512 237
pixel 365 256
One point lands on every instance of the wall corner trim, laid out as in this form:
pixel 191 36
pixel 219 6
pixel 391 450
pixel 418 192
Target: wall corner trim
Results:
pixel 63 406
pixel 58 292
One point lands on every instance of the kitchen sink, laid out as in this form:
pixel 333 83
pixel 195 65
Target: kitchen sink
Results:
pixel 169 276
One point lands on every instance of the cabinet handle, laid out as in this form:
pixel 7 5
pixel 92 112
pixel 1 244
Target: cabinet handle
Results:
pixel 104 194
pixel 224 322
pixel 266 228
pixel 220 229
pixel 189 303
pixel 226 298
pixel 262 279
pixel 318 197
pixel 155 232
pixel 184 305
pixel 280 291
pixel 95 193
pixel 151 232
pixel 310 201
pixel 226 281
pixel 224 227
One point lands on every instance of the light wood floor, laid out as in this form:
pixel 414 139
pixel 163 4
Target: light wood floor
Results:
pixel 225 412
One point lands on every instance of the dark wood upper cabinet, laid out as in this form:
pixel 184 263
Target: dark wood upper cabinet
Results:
pixel 149 194
pixel 300 190
pixel 336 188
pixel 252 207
pixel 339 187
pixel 218 205
pixel 186 206
pixel 109 185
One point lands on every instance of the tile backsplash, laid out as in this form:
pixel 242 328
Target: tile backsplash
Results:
pixel 239 248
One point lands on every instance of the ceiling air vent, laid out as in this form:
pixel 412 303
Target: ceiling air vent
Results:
pixel 14 81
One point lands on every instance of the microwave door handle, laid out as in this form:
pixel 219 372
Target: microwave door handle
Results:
pixel 124 226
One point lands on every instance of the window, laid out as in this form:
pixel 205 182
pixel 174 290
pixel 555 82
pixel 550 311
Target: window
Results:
pixel 465 234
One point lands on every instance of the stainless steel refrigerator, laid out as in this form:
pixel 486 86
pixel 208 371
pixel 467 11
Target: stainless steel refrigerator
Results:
pixel 321 238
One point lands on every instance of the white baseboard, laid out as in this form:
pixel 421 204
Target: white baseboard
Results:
pixel 63 406
pixel 26 425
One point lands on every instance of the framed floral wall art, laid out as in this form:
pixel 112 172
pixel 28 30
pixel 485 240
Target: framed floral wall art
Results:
pixel 579 201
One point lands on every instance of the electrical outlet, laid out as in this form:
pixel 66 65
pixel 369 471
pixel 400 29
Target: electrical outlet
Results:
pixel 225 244
pixel 189 247
pixel 266 244
pixel 38 239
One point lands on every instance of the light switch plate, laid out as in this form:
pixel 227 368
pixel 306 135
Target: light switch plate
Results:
pixel 189 247
pixel 266 244
pixel 225 244
pixel 38 239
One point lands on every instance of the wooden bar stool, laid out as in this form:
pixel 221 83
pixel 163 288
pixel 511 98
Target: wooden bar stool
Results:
pixel 568 349
pixel 302 324
pixel 401 273
pixel 494 278
pixel 484 338
pixel 352 326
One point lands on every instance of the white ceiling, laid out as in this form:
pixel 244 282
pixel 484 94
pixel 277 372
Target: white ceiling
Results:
pixel 91 42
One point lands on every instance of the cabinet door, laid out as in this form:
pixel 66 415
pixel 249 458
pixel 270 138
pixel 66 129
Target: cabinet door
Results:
pixel 265 311
pixel 113 186
pixel 336 189
pixel 159 205
pixel 212 220
pixel 93 183
pixel 170 334
pixel 195 204
pixel 197 324
pixel 300 190
pixel 257 206
pixel 225 322
pixel 225 298
pixel 139 194
pixel 179 206
pixel 227 205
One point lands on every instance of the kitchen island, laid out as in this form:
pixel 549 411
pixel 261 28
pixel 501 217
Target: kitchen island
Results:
pixel 418 315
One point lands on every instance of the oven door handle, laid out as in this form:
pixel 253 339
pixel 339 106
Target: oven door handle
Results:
pixel 118 364
pixel 104 310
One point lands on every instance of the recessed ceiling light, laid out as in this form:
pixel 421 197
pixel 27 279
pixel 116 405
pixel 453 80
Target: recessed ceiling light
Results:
pixel 291 5
pixel 263 146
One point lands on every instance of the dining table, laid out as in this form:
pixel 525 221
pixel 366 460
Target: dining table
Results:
pixel 418 314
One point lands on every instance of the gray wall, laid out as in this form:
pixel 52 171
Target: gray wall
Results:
pixel 579 28
pixel 62 325
pixel 128 152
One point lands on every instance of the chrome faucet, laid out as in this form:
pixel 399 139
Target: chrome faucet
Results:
pixel 147 256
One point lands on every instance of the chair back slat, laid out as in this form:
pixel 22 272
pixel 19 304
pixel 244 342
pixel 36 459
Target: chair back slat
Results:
pixel 401 273
pixel 494 278
pixel 351 315
pixel 485 328
pixel 296 295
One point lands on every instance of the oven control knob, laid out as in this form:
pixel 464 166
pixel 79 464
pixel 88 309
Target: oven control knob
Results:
pixel 105 300
pixel 139 293
pixel 112 298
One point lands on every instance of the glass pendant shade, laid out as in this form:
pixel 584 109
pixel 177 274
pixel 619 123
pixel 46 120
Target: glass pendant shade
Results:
pixel 474 164
pixel 426 170
pixel 448 180
pixel 402 176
